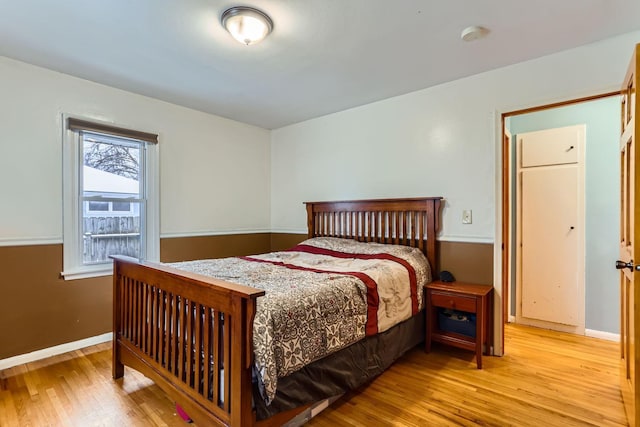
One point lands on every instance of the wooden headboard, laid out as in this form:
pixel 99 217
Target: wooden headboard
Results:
pixel 410 222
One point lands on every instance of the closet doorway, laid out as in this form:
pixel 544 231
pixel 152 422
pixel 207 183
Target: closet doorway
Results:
pixel 598 306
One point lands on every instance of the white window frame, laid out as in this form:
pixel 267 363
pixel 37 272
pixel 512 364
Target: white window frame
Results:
pixel 73 267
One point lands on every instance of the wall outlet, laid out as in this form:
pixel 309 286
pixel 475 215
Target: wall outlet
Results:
pixel 466 216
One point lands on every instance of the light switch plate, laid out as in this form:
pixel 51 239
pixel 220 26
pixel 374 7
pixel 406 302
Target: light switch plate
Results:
pixel 466 216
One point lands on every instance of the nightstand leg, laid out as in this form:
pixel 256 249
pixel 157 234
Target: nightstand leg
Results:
pixel 428 325
pixel 480 327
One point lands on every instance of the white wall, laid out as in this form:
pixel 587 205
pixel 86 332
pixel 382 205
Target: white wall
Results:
pixel 214 172
pixel 217 175
pixel 439 141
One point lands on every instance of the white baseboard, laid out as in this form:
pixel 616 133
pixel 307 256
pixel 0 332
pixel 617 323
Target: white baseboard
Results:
pixel 54 351
pixel 609 336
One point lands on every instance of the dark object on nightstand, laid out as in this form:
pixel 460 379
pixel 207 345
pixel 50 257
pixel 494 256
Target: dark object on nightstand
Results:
pixel 447 277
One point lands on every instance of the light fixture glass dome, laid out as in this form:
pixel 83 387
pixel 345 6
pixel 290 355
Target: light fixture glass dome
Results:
pixel 246 24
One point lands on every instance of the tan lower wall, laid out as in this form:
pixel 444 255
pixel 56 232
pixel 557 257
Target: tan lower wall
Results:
pixel 468 262
pixel 282 241
pixel 38 309
pixel 205 247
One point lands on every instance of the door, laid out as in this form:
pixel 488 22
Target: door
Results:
pixel 551 229
pixel 629 251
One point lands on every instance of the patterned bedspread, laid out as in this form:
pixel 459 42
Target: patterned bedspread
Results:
pixel 321 296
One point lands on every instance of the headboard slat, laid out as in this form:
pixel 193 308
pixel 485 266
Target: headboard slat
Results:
pixel 410 222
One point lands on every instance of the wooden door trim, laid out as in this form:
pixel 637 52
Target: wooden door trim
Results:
pixel 560 104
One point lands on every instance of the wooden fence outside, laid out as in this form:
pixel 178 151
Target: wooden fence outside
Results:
pixel 104 236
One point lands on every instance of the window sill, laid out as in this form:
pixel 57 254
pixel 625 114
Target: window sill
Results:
pixel 87 272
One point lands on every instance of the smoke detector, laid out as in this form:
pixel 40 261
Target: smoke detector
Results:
pixel 473 32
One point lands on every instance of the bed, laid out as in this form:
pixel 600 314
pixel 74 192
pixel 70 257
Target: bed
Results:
pixel 193 335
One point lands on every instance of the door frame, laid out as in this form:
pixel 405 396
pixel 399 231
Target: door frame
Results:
pixel 502 248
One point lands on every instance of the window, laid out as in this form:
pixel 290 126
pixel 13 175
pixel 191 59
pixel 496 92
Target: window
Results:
pixel 110 197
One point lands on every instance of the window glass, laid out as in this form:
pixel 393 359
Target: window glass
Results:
pixel 112 197
pixel 98 206
pixel 121 206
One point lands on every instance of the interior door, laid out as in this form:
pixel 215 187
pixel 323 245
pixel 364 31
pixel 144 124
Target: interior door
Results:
pixel 629 250
pixel 550 222
pixel 551 285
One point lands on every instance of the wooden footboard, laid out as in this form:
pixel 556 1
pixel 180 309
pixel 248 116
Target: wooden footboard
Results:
pixel 190 334
pixel 193 335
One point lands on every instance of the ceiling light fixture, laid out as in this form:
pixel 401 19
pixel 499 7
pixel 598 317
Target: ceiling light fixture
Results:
pixel 473 33
pixel 246 24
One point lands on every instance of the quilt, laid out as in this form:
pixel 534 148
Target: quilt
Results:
pixel 321 296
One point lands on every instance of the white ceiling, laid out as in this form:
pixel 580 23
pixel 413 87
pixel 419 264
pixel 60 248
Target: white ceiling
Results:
pixel 323 55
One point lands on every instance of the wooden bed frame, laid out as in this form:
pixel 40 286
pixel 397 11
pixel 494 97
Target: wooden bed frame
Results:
pixel 193 335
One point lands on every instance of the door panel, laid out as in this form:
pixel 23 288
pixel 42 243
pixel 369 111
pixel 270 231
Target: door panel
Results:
pixel 629 250
pixel 550 288
pixel 550 229
pixel 551 147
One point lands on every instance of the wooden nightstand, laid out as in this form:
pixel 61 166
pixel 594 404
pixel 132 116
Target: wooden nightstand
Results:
pixel 465 297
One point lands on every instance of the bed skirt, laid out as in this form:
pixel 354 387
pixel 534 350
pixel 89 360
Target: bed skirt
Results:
pixel 344 370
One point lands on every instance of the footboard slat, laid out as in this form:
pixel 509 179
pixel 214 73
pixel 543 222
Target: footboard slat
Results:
pixel 135 307
pixel 162 338
pixel 132 315
pixel 122 313
pixel 156 324
pixel 216 398
pixel 191 348
pixel 131 291
pixel 151 320
pixel 226 367
pixel 169 332
pixel 181 340
pixel 138 309
pixel 207 355
pixel 188 345
pixel 144 327
pixel 180 329
pixel 199 347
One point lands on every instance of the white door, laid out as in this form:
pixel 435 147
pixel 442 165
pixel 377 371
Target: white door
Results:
pixel 551 229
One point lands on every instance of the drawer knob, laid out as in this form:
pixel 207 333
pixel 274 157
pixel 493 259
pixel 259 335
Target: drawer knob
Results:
pixel 451 302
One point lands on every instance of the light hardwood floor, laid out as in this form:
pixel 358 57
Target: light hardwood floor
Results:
pixel 546 379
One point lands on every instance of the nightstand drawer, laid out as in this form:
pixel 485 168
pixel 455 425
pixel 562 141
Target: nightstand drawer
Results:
pixel 455 302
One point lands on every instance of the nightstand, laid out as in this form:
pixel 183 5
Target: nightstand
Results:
pixel 466 297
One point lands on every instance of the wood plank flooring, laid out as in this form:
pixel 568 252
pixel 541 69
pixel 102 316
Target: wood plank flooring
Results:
pixel 546 379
